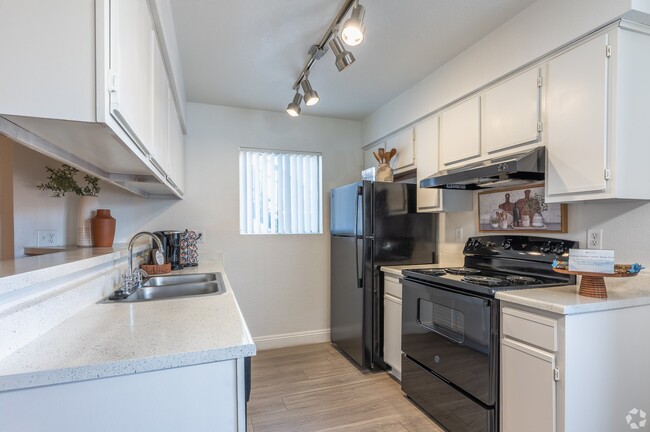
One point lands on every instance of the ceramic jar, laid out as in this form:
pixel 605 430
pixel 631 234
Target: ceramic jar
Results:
pixel 103 228
pixel 384 173
pixel 87 206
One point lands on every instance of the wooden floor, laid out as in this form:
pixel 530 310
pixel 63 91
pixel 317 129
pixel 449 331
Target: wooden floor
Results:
pixel 314 388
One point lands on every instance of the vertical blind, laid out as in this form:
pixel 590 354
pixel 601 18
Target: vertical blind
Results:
pixel 279 192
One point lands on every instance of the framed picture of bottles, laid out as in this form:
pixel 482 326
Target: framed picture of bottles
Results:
pixel 520 209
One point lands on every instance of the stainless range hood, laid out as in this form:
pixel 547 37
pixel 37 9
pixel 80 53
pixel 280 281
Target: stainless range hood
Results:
pixel 511 170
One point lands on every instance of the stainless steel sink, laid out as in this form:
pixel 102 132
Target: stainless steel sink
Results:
pixel 175 286
pixel 180 279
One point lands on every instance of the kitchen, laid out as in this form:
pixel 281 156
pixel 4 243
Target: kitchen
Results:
pixel 279 308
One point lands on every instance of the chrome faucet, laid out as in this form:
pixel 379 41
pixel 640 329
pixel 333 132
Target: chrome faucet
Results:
pixel 133 279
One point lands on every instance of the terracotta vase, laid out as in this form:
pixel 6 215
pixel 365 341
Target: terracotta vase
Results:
pixel 103 228
pixel 87 206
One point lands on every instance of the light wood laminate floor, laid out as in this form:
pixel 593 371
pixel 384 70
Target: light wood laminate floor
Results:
pixel 314 388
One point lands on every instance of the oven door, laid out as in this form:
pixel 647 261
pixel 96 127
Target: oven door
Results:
pixel 453 334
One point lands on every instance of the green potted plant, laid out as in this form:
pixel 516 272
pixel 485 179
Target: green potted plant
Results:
pixel 61 181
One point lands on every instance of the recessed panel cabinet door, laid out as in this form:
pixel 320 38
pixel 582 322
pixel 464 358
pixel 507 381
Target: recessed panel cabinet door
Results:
pixel 160 144
pixel 528 389
pixel 511 112
pixel 426 148
pixel 405 146
pixel 460 132
pixel 576 107
pixel 131 66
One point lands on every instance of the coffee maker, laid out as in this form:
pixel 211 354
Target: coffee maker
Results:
pixel 171 241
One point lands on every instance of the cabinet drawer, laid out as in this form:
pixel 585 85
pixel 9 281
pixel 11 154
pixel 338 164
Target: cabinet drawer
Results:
pixel 527 327
pixel 392 286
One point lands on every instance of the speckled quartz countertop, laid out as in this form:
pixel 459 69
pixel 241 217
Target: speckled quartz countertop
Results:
pixel 622 293
pixel 105 340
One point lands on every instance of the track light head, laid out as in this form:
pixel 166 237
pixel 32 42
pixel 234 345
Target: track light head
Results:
pixel 353 29
pixel 311 97
pixel 344 58
pixel 293 109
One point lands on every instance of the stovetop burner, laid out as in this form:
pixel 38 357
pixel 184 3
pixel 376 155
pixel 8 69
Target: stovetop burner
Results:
pixel 462 270
pixel 431 271
pixel 522 280
pixel 485 280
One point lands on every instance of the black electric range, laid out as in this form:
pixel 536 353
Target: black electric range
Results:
pixel 450 325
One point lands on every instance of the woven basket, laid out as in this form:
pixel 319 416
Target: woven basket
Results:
pixel 156 269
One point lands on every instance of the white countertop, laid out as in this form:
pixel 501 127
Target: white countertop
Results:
pixel 105 340
pixel 622 293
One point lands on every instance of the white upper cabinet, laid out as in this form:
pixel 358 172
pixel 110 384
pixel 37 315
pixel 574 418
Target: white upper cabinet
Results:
pixel 369 160
pixel 404 143
pixel 160 144
pixel 597 118
pixel 427 149
pixel 460 132
pixel 511 112
pixel 94 92
pixel 177 153
pixel 577 119
pixel 132 53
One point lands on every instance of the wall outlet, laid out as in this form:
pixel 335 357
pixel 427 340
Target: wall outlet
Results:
pixel 47 238
pixel 595 239
pixel 459 235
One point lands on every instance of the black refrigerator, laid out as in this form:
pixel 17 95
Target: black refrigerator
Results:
pixel 372 224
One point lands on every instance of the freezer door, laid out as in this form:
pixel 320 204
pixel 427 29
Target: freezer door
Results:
pixel 347 298
pixel 345 210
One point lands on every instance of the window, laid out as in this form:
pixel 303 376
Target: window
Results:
pixel 280 192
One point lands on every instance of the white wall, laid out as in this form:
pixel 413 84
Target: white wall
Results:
pixel 543 27
pixel 281 281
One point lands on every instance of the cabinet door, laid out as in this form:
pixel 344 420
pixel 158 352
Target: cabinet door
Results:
pixel 577 120
pixel 369 160
pixel 131 65
pixel 511 112
pixel 460 132
pixel 393 332
pixel 426 148
pixel 177 143
pixel 405 146
pixel 160 143
pixel 528 388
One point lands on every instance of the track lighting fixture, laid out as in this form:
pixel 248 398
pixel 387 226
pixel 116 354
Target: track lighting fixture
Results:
pixel 344 58
pixel 353 29
pixel 293 109
pixel 311 97
pixel 352 33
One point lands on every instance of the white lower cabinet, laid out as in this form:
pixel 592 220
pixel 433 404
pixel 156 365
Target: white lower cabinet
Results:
pixel 393 324
pixel 573 373
pixel 205 397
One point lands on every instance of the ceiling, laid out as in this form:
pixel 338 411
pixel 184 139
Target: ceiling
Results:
pixel 248 53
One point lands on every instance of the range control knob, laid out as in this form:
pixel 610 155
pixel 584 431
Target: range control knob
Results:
pixel 545 248
pixel 477 245
pixel 507 244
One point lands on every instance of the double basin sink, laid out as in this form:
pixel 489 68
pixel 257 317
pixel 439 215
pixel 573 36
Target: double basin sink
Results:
pixel 175 286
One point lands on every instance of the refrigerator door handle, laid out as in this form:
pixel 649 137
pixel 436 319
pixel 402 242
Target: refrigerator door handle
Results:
pixel 356 237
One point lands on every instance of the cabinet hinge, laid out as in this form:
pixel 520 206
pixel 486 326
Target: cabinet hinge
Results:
pixel 607 174
pixel 608 51
pixel 539 126
pixel 539 81
pixel 556 374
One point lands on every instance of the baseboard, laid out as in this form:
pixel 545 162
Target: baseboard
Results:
pixel 292 339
